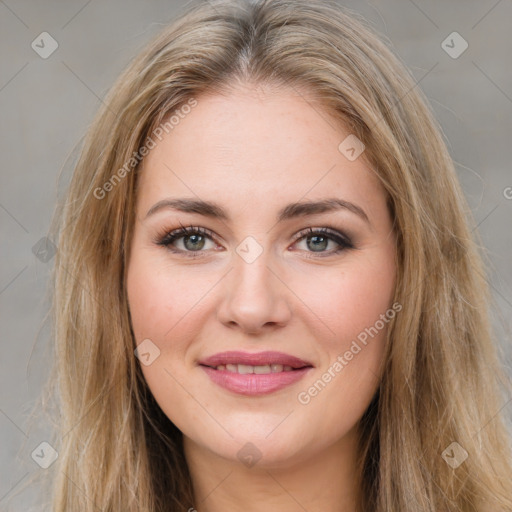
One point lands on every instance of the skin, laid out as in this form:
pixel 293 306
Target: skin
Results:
pixel 254 150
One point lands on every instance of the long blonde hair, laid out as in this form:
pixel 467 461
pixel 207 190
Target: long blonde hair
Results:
pixel 442 383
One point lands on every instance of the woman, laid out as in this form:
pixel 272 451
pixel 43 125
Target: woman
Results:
pixel 267 295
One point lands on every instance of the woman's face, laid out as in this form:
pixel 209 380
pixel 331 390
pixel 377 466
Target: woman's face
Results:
pixel 254 280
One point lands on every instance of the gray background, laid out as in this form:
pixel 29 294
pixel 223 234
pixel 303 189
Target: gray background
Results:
pixel 47 104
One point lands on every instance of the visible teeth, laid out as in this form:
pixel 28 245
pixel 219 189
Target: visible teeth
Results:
pixel 261 369
pixel 244 368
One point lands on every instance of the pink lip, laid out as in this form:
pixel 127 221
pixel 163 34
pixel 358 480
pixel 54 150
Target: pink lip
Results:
pixel 254 384
pixel 256 359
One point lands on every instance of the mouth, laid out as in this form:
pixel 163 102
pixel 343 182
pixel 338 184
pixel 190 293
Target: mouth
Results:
pixel 258 363
pixel 245 369
pixel 254 374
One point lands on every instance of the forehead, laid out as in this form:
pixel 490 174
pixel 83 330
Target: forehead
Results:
pixel 255 146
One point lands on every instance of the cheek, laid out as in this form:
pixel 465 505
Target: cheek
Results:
pixel 162 299
pixel 161 302
pixel 353 307
pixel 150 303
pixel 360 299
pixel 348 300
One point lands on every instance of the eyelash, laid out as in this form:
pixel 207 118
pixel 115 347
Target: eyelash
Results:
pixel 168 237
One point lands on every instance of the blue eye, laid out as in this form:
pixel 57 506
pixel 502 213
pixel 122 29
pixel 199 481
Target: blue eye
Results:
pixel 318 239
pixel 194 239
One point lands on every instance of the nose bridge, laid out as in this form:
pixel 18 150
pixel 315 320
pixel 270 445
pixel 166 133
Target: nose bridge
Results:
pixel 252 269
pixel 252 264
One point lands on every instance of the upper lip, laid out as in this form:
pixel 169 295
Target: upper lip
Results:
pixel 254 359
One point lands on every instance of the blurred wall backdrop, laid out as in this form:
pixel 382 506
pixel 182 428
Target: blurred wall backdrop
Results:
pixel 57 61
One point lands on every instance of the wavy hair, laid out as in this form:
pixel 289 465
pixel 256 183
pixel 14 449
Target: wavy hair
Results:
pixel 441 383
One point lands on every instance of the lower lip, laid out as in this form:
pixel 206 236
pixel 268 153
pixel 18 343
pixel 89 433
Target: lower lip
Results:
pixel 252 384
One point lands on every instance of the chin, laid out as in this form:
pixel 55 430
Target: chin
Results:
pixel 258 450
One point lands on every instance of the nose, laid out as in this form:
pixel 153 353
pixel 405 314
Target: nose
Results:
pixel 255 297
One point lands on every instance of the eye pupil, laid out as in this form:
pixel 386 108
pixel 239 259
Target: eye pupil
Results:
pixel 194 237
pixel 321 245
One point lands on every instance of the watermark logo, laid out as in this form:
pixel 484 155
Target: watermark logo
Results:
pixel 44 455
pixel 146 352
pixel 249 454
pixel 44 250
pixel 454 455
pixel 44 45
pixel 249 249
pixel 454 45
pixel 351 147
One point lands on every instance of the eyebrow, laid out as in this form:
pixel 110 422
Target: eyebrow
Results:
pixel 292 210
